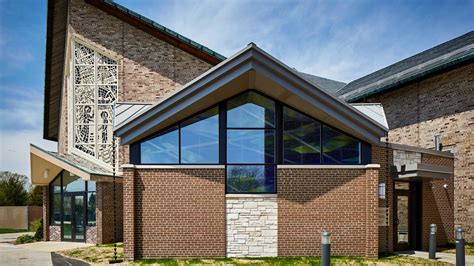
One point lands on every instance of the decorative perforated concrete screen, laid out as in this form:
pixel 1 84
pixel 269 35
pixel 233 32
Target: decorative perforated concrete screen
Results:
pixel 95 92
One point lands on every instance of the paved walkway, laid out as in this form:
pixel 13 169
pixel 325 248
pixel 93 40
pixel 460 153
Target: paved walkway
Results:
pixel 37 254
pixel 444 257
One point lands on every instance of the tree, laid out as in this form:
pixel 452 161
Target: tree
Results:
pixel 12 189
pixel 35 196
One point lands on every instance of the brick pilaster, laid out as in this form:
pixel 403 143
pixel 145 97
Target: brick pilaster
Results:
pixel 128 212
pixel 372 229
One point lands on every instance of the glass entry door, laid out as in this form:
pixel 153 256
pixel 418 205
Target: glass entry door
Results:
pixel 407 233
pixel 74 217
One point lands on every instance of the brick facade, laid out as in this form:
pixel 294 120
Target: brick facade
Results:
pixel 105 212
pixel 443 105
pixel 342 201
pixel 174 213
pixel 149 68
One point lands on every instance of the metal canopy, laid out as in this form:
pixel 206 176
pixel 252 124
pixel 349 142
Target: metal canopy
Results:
pixel 419 171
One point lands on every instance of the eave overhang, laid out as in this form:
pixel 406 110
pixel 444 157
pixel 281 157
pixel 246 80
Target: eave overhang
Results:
pixel 251 68
pixel 417 172
pixel 45 166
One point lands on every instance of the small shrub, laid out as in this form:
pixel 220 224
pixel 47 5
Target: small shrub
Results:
pixel 37 227
pixel 23 239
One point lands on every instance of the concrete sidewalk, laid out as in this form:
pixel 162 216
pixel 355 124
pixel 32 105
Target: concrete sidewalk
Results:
pixel 444 257
pixel 11 237
pixel 38 253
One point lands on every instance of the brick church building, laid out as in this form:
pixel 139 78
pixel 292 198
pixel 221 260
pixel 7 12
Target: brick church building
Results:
pixel 177 151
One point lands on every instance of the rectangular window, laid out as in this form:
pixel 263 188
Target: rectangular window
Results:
pixel 251 144
pixel 91 203
pixel 339 148
pixel 251 179
pixel 301 138
pixel 200 138
pixel 163 149
pixel 55 198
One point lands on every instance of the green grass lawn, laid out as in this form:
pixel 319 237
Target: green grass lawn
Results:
pixel 102 254
pixel 8 230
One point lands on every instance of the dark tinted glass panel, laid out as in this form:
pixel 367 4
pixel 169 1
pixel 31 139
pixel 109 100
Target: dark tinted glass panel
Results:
pixel 250 110
pixel 301 138
pixel 200 138
pixel 90 186
pixel 162 149
pixel 339 148
pixel 56 211
pixel 250 179
pixel 91 203
pixel 250 146
pixel 56 185
pixel 72 183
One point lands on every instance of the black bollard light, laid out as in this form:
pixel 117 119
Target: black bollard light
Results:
pixel 326 248
pixel 432 243
pixel 460 257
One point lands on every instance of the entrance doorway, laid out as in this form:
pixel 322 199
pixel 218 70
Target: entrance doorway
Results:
pixel 74 217
pixel 407 208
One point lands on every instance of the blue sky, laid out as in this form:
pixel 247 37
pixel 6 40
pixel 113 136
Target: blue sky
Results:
pixel 342 40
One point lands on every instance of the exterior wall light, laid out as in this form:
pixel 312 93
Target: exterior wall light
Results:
pixel 46 173
pixel 382 190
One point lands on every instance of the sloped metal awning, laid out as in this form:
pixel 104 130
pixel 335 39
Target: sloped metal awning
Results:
pixel 418 171
pixel 46 165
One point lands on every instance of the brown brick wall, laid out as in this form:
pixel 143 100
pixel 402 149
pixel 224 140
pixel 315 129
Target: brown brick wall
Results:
pixel 177 213
pixel 384 157
pixel 343 201
pixel 437 203
pixel 148 67
pixel 442 104
pixel 105 212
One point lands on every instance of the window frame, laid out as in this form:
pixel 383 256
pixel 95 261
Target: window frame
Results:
pixel 364 150
pixel 62 193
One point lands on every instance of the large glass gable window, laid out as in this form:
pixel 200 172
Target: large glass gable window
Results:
pixel 251 144
pixel 251 133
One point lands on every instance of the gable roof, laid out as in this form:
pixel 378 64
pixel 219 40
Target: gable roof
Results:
pixel 251 68
pixel 453 53
pixel 57 20
pixel 329 85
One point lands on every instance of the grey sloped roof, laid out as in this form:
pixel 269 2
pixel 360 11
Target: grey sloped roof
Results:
pixel 372 110
pixel 78 162
pixel 329 85
pixel 456 51
pixel 125 111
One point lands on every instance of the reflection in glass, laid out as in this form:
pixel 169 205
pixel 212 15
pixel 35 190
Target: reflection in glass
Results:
pixel 72 183
pixel 250 146
pixel 90 186
pixel 250 179
pixel 91 203
pixel 161 149
pixel 79 217
pixel 402 185
pixel 250 110
pixel 402 219
pixel 67 218
pixel 56 211
pixel 339 148
pixel 301 138
pixel 200 138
